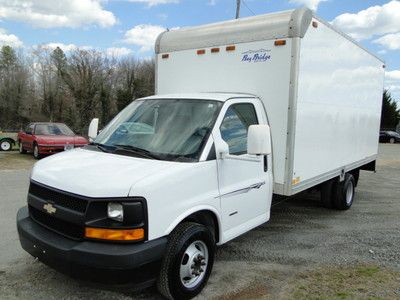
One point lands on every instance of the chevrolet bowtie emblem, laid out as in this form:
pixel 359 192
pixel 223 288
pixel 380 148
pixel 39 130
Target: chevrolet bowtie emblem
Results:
pixel 49 208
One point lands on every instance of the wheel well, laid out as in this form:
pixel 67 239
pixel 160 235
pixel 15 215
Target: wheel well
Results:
pixel 356 175
pixel 8 139
pixel 206 218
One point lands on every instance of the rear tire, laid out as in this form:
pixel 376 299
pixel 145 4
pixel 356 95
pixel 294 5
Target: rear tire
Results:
pixel 188 261
pixel 326 194
pixel 343 193
pixel 21 148
pixel 5 145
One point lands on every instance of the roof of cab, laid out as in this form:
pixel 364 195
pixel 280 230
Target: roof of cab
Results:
pixel 286 24
pixel 217 96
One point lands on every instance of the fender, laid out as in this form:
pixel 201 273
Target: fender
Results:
pixel 193 210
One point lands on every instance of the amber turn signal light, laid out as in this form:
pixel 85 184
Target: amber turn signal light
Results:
pixel 115 234
pixel 280 42
pixel 201 52
pixel 214 50
pixel 165 56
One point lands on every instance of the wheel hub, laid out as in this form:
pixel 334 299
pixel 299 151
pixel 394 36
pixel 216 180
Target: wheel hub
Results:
pixel 349 193
pixel 5 146
pixel 194 264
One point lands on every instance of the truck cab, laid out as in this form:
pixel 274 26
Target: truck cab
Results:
pixel 162 164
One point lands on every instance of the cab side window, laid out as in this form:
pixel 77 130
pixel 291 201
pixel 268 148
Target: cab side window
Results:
pixel 235 125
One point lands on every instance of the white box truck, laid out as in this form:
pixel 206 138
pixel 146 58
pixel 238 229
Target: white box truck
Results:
pixel 248 108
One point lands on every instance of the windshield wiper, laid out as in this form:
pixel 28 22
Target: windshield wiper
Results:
pixel 133 149
pixel 101 147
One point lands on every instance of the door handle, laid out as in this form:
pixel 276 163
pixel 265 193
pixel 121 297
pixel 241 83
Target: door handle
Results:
pixel 265 163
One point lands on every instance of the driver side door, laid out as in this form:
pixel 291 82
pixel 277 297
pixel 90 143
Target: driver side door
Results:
pixel 28 138
pixel 245 181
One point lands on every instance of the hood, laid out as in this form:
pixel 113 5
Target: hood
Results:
pixel 61 139
pixel 95 174
pixel 55 139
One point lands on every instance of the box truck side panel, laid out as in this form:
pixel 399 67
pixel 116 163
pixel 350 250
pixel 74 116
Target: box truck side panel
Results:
pixel 259 68
pixel 338 107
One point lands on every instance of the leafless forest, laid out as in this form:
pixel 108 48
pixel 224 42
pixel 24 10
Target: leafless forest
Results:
pixel 50 85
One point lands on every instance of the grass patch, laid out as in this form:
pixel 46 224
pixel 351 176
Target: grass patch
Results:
pixel 367 271
pixel 353 282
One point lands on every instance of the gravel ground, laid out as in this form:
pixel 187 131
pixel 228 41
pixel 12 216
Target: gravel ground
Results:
pixel 300 244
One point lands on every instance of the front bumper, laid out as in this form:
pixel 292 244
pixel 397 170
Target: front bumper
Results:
pixel 50 149
pixel 94 261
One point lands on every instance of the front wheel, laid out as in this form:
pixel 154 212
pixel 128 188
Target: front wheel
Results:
pixel 392 140
pixel 5 145
pixel 188 261
pixel 36 153
pixel 21 148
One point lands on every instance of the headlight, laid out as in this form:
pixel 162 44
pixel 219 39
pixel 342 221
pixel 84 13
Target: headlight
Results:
pixel 115 211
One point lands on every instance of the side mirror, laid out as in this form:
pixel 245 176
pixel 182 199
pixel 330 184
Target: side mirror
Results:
pixel 259 140
pixel 93 129
pixel 222 149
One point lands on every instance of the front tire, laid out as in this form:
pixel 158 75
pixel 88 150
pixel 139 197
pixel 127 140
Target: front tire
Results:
pixel 5 145
pixel 36 153
pixel 392 140
pixel 21 148
pixel 188 261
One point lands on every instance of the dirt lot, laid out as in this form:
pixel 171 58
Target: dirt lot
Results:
pixel 304 252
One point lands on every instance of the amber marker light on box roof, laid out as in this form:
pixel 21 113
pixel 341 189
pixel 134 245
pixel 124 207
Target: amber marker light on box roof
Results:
pixel 280 43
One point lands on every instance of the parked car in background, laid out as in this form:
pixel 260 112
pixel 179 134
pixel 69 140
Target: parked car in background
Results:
pixel 389 137
pixel 48 138
pixel 7 141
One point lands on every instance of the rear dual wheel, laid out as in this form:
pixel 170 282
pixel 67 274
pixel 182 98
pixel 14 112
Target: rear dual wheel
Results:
pixel 338 195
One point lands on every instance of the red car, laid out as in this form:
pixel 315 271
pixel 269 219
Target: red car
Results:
pixel 48 138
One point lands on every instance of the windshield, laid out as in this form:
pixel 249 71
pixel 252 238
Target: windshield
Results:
pixel 53 129
pixel 169 129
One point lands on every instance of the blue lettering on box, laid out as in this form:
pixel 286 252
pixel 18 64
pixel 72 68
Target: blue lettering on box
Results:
pixel 261 55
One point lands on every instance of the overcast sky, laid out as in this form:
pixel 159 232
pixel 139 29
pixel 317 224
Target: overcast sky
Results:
pixel 125 27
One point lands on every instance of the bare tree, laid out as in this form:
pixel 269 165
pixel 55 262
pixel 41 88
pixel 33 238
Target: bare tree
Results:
pixel 83 78
pixel 69 87
pixel 13 87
